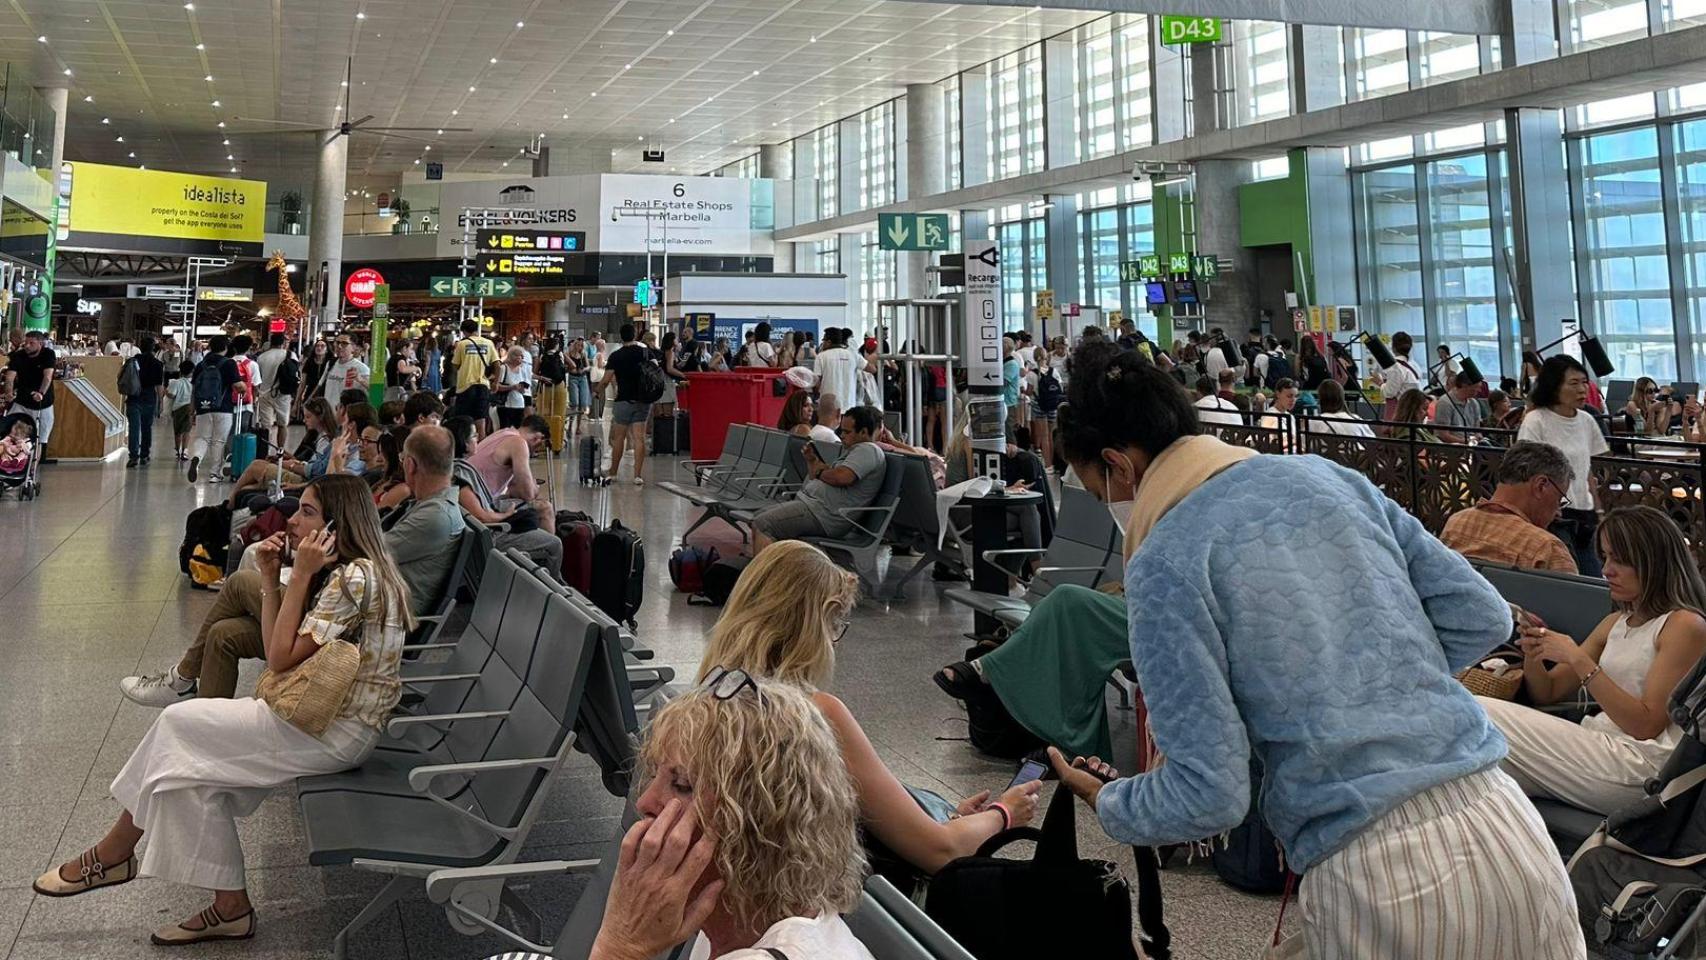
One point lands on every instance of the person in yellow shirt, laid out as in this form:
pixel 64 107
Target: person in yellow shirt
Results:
pixel 471 356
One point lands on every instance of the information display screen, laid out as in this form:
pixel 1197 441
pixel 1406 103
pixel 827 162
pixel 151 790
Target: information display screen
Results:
pixel 1155 292
pixel 520 264
pixel 1184 291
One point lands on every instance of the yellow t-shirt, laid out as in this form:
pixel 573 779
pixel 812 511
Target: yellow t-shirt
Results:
pixel 472 356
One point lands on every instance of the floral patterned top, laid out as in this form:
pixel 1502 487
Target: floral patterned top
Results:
pixel 347 608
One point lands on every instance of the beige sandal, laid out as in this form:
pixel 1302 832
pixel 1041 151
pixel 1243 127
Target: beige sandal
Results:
pixel 213 927
pixel 93 874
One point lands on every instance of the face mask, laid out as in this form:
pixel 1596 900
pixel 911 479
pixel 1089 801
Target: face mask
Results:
pixel 1120 510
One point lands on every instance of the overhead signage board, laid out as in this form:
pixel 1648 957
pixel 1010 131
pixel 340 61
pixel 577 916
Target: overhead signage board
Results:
pixel 1132 271
pixel 1206 266
pixel 435 171
pixel 1178 263
pixel 983 313
pixel 121 208
pixel 912 231
pixel 523 264
pixel 1177 29
pixel 504 239
pixel 139 291
pixel 1149 265
pixel 471 287
pixel 361 287
pixel 651 156
pixel 724 216
pixel 225 294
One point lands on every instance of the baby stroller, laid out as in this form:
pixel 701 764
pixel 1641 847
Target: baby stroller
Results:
pixel 12 477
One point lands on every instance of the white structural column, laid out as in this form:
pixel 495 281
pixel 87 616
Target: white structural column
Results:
pixel 326 227
pixel 1541 266
pixel 1060 110
pixel 58 99
pixel 1317 68
pixel 926 173
pixel 776 164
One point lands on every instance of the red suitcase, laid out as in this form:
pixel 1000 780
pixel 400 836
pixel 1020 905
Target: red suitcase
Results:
pixel 576 530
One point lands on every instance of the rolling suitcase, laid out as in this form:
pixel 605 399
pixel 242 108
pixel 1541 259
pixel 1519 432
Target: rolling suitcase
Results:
pixel 663 436
pixel 576 530
pixel 242 452
pixel 589 457
pixel 618 572
pixel 556 423
pixel 683 436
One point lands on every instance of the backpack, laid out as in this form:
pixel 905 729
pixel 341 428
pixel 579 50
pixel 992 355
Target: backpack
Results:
pixel 1000 908
pixel 720 578
pixel 130 378
pixel 207 529
pixel 287 378
pixel 209 384
pixel 1049 392
pixel 653 382
pixel 687 566
pixel 1279 368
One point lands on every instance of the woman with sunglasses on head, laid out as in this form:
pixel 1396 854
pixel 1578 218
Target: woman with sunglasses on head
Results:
pixel 206 762
pixel 746 843
pixel 1555 415
pixel 1630 665
pixel 788 610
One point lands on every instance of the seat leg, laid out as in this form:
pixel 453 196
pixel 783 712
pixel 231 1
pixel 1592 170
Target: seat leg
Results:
pixel 704 518
pixel 1683 933
pixel 387 896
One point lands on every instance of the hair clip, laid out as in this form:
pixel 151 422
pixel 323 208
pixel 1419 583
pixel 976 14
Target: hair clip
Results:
pixel 1114 373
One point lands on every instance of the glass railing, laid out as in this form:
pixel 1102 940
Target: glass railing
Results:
pixel 26 122
pixel 392 223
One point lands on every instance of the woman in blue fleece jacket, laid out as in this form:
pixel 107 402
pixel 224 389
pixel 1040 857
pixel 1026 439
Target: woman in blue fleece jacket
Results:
pixel 1332 661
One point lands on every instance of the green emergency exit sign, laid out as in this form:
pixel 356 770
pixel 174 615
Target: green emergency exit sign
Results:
pixel 1177 29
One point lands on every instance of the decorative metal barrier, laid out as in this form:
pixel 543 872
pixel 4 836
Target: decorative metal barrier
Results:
pixel 1433 480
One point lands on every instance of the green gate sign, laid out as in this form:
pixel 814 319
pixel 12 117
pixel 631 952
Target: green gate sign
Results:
pixel 1149 265
pixel 1177 29
pixel 472 287
pixel 912 231
pixel 1178 263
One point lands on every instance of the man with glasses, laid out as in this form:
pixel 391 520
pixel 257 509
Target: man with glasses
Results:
pixel 347 371
pixel 1510 526
pixel 835 495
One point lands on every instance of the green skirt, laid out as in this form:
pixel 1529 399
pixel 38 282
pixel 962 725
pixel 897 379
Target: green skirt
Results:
pixel 1052 673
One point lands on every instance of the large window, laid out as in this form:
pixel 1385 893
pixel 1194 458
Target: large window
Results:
pixel 1023 238
pixel 1261 71
pixel 826 149
pixel 1115 225
pixel 1016 114
pixel 1625 277
pixel 1448 56
pixel 1391 249
pixel 1380 63
pixel 1131 64
pixel 1599 23
pixel 876 278
pixel 951 117
pixel 876 156
pixel 1460 225
pixel 1691 208
pixel 1093 93
pixel 820 256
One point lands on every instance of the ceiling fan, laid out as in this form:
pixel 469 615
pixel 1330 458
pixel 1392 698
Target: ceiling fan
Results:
pixel 347 126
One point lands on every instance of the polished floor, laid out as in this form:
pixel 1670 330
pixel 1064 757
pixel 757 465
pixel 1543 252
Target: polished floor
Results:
pixel 90 592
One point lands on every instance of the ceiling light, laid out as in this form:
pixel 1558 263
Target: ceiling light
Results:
pixel 565 116
pixel 201 46
pixel 230 157
pixel 493 60
pixel 208 78
pixel 89 99
pixel 360 16
pixel 506 163
pixel 669 33
pixel 519 24
pixel 455 112
pixel 340 107
pixel 189 6
pixel 429 146
pixel 222 124
pixel 118 139
pixel 417 160
pixel 68 71
pixel 106 119
pixel 470 88
pixel 641 139
pixel 814 39
pixel 225 143
pixel 216 103
pixel 133 154
pixel 755 73
pixel 595 93
pixel 343 83
pixel 142 166
pixel 441 133
pixel 233 169
pixel 627 66
pixel 671 119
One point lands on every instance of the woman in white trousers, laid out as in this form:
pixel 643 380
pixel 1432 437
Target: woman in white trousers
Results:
pixel 206 762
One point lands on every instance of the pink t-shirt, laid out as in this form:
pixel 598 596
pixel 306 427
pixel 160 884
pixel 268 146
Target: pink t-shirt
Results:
pixel 484 460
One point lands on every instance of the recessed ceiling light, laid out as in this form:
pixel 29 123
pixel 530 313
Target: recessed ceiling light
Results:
pixel 455 113
pixel 641 139
pixel 222 124
pixel 133 154
pixel 493 60
pixel 429 146
pixel 230 157
pixel 340 107
pixel 506 163
pixel 565 116
pixel 755 73
pixel 106 119
pixel 41 39
pixel 470 88
pixel 360 16
pixel 118 139
pixel 226 143
pixel 201 46
pixel 233 169
pixel 627 66
pixel 814 39
pixel 89 99
pixel 671 119
pixel 208 78
pixel 441 133
pixel 595 93
pixel 68 71
pixel 669 33
pixel 519 24
pixel 343 83
pixel 216 103
pixel 417 160
pixel 142 166
pixel 189 6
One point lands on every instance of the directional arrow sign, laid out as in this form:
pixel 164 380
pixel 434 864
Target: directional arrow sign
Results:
pixel 471 287
pixel 1131 271
pixel 450 287
pixel 912 231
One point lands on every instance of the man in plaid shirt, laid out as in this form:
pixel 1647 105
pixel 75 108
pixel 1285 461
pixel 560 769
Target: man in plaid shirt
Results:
pixel 1510 526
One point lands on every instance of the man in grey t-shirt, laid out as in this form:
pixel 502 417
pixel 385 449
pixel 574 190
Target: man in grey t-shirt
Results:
pixel 1459 407
pixel 852 481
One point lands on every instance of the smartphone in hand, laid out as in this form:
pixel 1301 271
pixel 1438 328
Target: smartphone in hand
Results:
pixel 1028 771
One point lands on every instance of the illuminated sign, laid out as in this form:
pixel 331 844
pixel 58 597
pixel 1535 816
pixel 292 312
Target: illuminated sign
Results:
pixel 504 240
pixel 523 264
pixel 361 287
pixel 175 212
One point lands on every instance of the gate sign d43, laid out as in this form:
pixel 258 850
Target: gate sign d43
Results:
pixel 1177 29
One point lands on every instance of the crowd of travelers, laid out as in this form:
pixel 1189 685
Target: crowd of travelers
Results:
pixel 764 804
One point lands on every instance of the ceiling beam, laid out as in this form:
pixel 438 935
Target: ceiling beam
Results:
pixel 1454 16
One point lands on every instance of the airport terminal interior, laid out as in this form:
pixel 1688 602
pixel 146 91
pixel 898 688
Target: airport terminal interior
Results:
pixel 852 479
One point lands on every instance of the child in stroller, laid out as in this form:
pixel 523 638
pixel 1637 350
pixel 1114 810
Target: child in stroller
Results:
pixel 18 454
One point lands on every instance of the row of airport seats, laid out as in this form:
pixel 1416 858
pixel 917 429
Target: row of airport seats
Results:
pixel 761 467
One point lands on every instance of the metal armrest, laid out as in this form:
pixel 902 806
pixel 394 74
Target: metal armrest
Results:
pixel 990 555
pixel 440 678
pixel 441 884
pixel 779 485
pixel 844 511
pixel 417 647
pixel 430 618
pixel 420 778
pixel 397 723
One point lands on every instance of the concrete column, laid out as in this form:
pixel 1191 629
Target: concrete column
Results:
pixel 326 226
pixel 542 163
pixel 1218 230
pixel 1531 34
pixel 805 180
pixel 1317 68
pixel 1060 137
pixel 1332 242
pixel 1540 208
pixel 898 130
pixel 926 172
pixel 974 127
pixel 1169 94
pixel 1207 112
pixel 775 161
pixel 58 99
pixel 1065 273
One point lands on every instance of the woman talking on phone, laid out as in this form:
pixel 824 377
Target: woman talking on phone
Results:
pixel 206 762
pixel 1630 665
pixel 788 610
pixel 1331 663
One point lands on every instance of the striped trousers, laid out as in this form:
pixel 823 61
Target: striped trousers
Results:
pixel 1461 871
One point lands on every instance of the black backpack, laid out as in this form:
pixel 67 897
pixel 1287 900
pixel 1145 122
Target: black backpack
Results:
pixel 1279 368
pixel 287 377
pixel 652 381
pixel 209 528
pixel 718 582
pixel 1049 392
pixel 209 385
pixel 1005 909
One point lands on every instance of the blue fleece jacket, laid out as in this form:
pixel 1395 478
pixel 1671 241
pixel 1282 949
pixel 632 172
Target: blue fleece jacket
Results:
pixel 1286 606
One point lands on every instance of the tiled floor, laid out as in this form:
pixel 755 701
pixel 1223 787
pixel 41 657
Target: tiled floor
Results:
pixel 90 592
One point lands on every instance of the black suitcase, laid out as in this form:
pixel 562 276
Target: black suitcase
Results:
pixel 683 435
pixel 618 572
pixel 664 436
pixel 589 457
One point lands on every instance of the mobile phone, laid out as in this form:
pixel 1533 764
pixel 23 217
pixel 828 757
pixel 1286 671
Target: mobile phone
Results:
pixel 1028 771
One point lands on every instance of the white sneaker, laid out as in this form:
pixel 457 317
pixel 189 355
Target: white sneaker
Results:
pixel 157 690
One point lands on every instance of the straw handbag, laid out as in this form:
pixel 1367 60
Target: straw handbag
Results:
pixel 1498 682
pixel 310 694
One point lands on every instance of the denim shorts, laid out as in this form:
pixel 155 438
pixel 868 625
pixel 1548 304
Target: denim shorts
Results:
pixel 626 413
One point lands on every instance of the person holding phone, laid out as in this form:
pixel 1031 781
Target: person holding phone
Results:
pixel 789 609
pixel 830 501
pixel 207 762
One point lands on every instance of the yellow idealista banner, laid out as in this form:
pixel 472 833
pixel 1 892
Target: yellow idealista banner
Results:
pixel 159 203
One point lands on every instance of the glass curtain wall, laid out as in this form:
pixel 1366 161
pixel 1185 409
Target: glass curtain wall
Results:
pixel 876 156
pixel 1261 71
pixel 1111 96
pixel 1389 225
pixel 1460 228
pixel 1379 62
pixel 951 115
pixel 1115 225
pixel 876 278
pixel 827 151
pixel 1623 266
pixel 1690 145
pixel 1016 114
pixel 1599 23
pixel 1023 240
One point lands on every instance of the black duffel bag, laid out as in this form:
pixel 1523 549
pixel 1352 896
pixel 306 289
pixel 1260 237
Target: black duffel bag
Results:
pixel 1002 909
